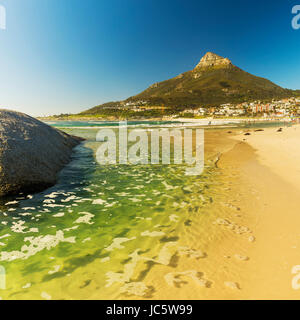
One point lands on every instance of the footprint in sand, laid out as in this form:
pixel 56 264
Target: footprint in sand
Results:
pixel 191 253
pixel 176 279
pixel 232 285
pixel 251 239
pixel 135 288
pixel 233 226
pixel 241 258
pixel 296 279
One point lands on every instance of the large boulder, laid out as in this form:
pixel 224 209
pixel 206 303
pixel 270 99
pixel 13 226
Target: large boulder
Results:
pixel 31 153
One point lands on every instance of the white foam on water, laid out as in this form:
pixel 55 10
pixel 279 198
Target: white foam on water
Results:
pixel 152 234
pixel 86 218
pixel 27 286
pixel 11 202
pixel 18 227
pixel 55 270
pixel 116 244
pixel 49 201
pixel 113 277
pixel 174 218
pixel 69 199
pixel 36 245
pixel 54 205
pixel 99 201
pixel 5 236
pixel 46 296
pixel 105 260
pixel 58 215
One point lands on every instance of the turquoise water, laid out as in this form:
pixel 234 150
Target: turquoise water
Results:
pixel 100 229
pixel 70 124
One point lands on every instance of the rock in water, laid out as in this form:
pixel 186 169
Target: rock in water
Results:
pixel 31 153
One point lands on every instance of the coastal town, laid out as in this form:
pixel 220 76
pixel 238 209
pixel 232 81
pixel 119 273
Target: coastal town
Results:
pixel 285 109
pixel 288 107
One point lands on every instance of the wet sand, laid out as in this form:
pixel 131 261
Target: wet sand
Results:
pixel 224 232
pixel 251 239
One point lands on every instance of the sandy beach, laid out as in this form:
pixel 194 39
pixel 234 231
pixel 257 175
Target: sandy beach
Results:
pixel 251 239
pixel 271 166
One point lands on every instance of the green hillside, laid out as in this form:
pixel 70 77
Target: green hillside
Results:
pixel 214 81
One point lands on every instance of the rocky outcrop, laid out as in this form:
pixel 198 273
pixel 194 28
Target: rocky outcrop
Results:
pixel 31 153
pixel 213 60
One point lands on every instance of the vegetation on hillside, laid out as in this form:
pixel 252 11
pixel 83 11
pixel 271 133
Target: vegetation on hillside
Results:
pixel 213 82
pixel 207 87
pixel 212 86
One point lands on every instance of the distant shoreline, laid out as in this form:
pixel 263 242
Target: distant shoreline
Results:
pixel 286 119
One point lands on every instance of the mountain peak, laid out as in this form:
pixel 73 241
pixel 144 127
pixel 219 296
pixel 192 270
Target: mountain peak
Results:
pixel 213 82
pixel 211 60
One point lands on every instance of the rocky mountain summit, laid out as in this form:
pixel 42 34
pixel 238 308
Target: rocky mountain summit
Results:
pixel 213 60
pixel 31 153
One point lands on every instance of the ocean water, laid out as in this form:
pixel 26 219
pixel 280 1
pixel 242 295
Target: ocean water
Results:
pixel 91 124
pixel 103 232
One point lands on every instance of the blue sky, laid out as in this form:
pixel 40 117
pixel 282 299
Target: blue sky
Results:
pixel 59 56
